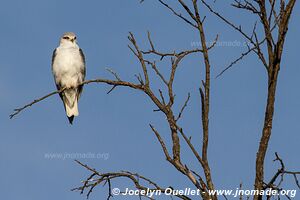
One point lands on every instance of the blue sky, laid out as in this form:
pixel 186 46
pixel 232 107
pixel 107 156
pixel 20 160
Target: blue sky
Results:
pixel 116 125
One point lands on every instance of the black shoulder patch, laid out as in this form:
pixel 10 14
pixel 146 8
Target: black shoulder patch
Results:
pixel 82 55
pixel 53 55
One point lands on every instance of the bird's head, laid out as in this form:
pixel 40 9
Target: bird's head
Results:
pixel 68 38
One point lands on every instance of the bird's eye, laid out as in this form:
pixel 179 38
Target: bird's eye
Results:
pixel 66 38
pixel 75 38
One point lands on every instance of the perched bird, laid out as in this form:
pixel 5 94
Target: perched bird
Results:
pixel 68 68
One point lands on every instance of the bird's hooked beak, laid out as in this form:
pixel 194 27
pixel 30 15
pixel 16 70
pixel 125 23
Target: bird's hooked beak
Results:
pixel 72 40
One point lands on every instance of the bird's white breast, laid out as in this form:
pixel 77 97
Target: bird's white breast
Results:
pixel 67 66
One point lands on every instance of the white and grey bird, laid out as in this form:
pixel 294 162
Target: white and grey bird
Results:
pixel 68 68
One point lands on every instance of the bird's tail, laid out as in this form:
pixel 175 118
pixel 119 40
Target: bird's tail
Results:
pixel 72 110
pixel 71 104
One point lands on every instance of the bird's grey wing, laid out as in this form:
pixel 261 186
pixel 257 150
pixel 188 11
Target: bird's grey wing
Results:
pixel 58 86
pixel 82 72
pixel 53 59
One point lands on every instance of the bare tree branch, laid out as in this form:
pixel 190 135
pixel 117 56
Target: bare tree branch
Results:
pixel 183 107
pixel 280 173
pixel 98 178
pixel 109 82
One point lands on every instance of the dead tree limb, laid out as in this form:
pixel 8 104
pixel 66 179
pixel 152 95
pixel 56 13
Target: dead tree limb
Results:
pixel 275 47
pixel 281 172
pixel 140 182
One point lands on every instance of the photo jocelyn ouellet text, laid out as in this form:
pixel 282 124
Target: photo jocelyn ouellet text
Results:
pixel 196 192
